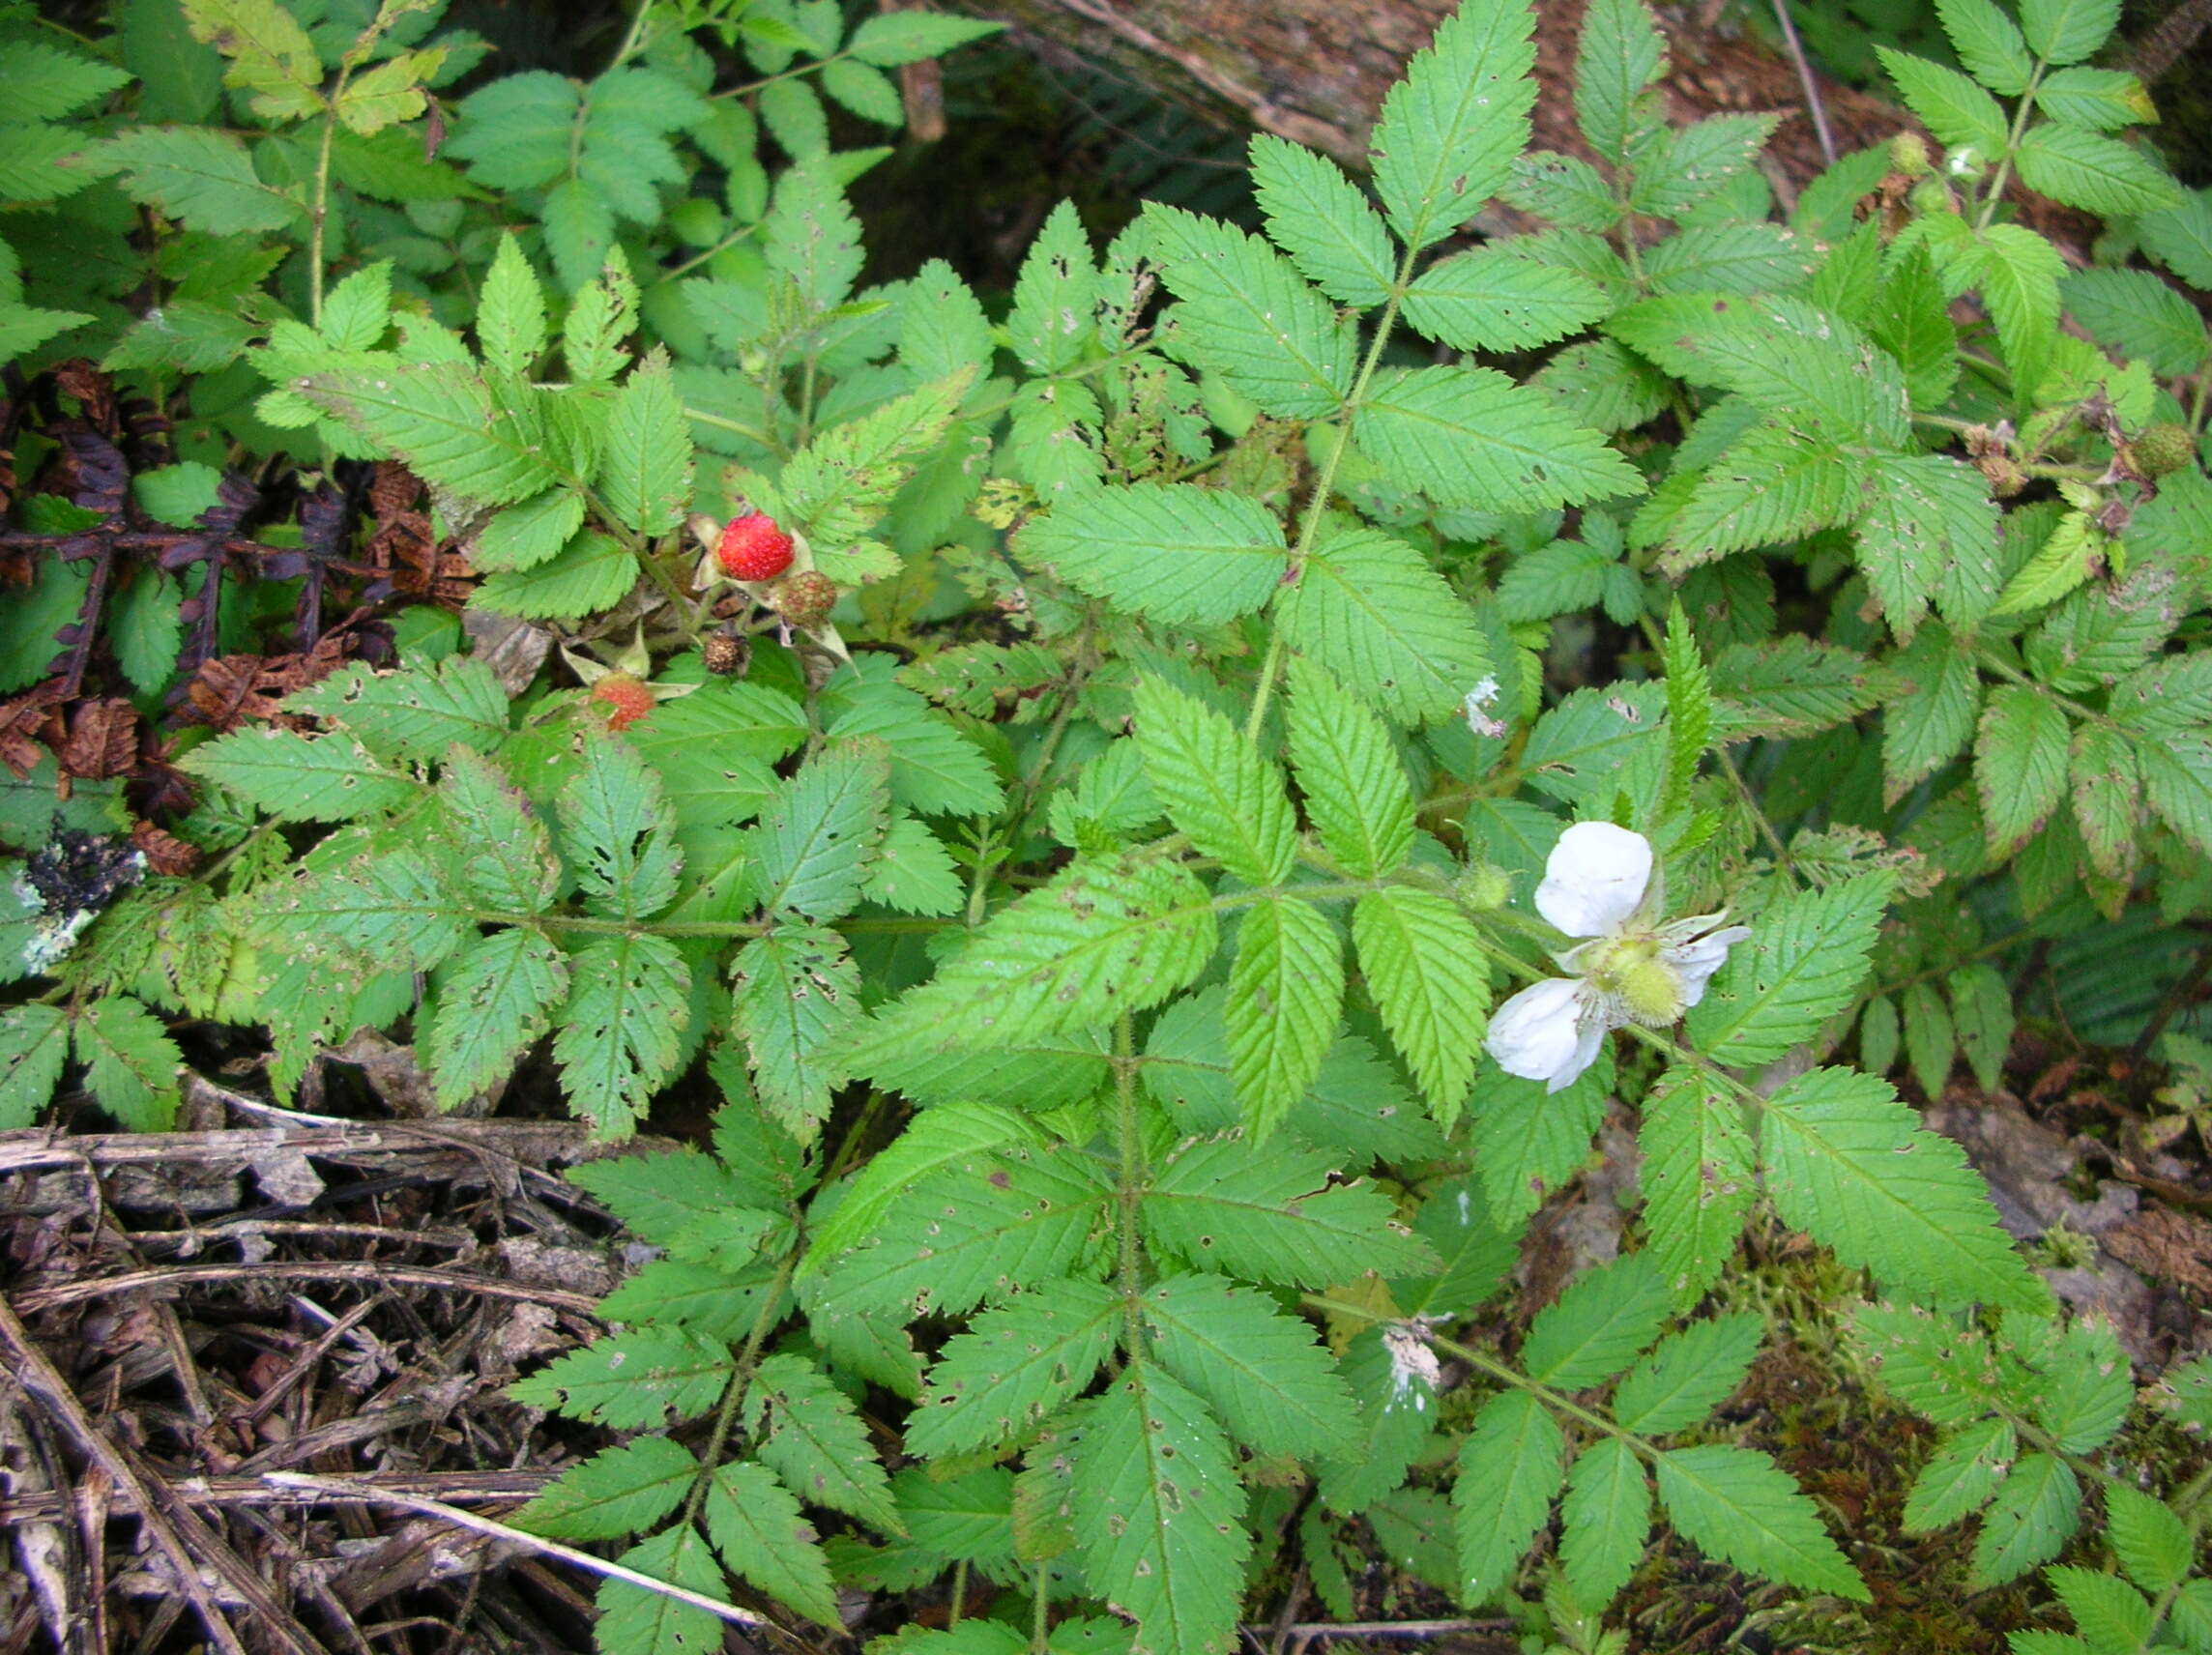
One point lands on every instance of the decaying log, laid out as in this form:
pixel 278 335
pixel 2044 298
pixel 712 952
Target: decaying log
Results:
pixel 1316 72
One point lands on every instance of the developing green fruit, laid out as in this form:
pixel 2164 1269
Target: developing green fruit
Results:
pixel 2163 449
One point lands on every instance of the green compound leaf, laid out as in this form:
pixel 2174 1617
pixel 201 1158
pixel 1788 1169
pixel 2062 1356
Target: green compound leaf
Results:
pixel 1394 1416
pixel 1285 993
pixel 419 714
pixel 616 832
pixel 2180 238
pixel 1933 717
pixel 1370 609
pixel 657 1196
pixel 620 1034
pixel 914 872
pixel 986 1226
pixel 1423 961
pixel 805 1428
pixel 617 1491
pixel 2094 172
pixel 1926 517
pixel 836 489
pixel 1688 1374
pixel 1272 1215
pixel 1510 1465
pixel 1322 220
pixel 1846 1162
pixel 1102 938
pixel 2136 311
pixel 1802 962
pixel 131 1062
pixel 201 178
pixel 40 82
pixel 2110 1613
pixel 301 778
pixel 1248 317
pixel 1957 111
pixel 2066 31
pixel 633 1621
pixel 1214 785
pixel 1490 300
pixel 1261 1372
pixel 33 1044
pixel 763 1536
pixel 1353 784
pixel 1961 1475
pixel 1597 1325
pixel 505 854
pixel 644 474
pixel 2152 1544
pixel 2018 274
pixel 797 992
pixel 813 846
pixel 493 1002
pixel 1605 1519
pixel 2019 765
pixel 1171 552
pixel 1470 436
pixel 1737 1505
pixel 633 1381
pixel 1783 355
pixel 489 443
pixel 935 768
pixel 1054 293
pixel 1698 162
pixel 1948 1373
pixel 1451 128
pixel 590 574
pixel 937 1137
pixel 1160 1525
pixel 1620 55
pixel 908 37
pixel 510 311
pixel 1988 43
pixel 1014 1367
pixel 1774 484
pixel 2086 1386
pixel 2031 1518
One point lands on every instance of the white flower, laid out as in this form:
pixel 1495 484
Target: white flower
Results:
pixel 1629 969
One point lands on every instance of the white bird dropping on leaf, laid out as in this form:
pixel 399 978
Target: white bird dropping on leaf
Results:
pixel 1477 708
pixel 1628 969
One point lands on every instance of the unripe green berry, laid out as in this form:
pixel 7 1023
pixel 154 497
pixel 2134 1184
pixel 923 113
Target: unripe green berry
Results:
pixel 1653 993
pixel 1484 886
pixel 2163 449
pixel 1933 195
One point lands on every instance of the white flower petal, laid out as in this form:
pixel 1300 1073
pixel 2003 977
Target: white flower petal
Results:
pixel 1594 879
pixel 1696 961
pixel 1536 1034
pixel 1589 1036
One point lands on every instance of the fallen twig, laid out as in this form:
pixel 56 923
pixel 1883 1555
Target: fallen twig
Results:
pixel 356 1489
pixel 42 1383
pixel 304 1269
pixel 466 1488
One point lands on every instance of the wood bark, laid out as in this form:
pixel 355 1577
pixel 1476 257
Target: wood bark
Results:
pixel 1315 71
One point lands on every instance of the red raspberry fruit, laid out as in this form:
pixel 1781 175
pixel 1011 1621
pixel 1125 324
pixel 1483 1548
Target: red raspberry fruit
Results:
pixel 753 548
pixel 625 699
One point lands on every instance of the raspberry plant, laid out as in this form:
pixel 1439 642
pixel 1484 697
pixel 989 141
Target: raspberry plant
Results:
pixel 1110 1196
